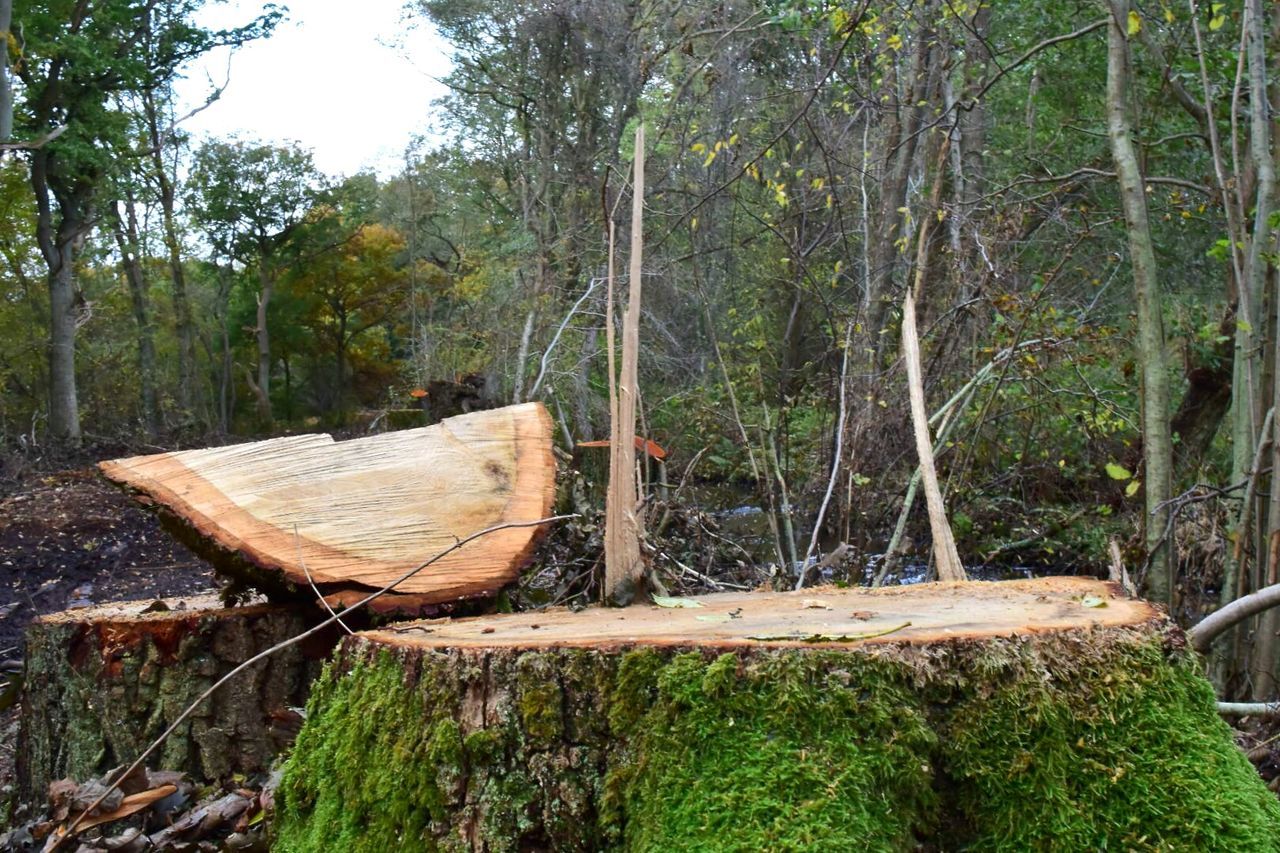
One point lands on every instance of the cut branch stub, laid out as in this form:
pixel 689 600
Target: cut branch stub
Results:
pixel 357 514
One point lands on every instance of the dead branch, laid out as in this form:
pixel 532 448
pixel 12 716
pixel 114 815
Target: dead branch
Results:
pixel 1202 635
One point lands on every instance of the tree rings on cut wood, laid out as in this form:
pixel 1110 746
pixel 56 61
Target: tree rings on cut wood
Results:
pixel 1051 714
pixel 102 682
pixel 355 515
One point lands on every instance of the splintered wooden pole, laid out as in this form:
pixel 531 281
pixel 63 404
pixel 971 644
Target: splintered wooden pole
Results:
pixel 945 554
pixel 944 544
pixel 623 568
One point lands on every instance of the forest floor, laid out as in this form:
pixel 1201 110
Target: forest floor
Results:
pixel 71 539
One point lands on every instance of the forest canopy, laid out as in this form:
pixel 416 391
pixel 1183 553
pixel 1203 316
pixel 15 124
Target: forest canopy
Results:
pixel 1095 287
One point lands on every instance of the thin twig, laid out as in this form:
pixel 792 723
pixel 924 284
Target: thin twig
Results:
pixel 284 644
pixel 297 543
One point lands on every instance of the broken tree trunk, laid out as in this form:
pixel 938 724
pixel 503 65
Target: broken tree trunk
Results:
pixel 355 515
pixel 1020 715
pixel 102 682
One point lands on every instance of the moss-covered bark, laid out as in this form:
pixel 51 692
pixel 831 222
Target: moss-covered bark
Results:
pixel 101 685
pixel 1078 740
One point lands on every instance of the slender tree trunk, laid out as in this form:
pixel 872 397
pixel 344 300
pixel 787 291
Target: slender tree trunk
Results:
pixel 64 409
pixel 57 246
pixel 6 85
pixel 1267 653
pixel 1157 446
pixel 262 389
pixel 183 321
pixel 224 374
pixel 126 237
pixel 522 356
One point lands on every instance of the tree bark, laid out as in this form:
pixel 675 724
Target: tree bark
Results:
pixel 788 727
pixel 104 681
pixel 262 389
pixel 1157 444
pixel 126 237
pixel 183 321
pixel 6 83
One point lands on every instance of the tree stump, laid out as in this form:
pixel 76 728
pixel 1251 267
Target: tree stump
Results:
pixel 102 682
pixel 1049 714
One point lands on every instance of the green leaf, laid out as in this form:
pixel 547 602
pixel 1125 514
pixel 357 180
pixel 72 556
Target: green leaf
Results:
pixel 1132 489
pixel 1118 472
pixel 1093 601
pixel 669 601
pixel 1135 23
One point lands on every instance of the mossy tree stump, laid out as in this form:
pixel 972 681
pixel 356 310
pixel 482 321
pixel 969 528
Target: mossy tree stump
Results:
pixel 102 682
pixel 1050 714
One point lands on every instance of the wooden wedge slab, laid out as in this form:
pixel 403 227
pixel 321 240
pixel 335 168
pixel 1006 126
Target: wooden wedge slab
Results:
pixel 357 514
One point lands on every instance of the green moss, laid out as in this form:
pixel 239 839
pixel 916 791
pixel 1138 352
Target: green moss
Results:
pixel 1077 741
pixel 1129 755
pixel 541 699
pixel 792 751
pixel 362 775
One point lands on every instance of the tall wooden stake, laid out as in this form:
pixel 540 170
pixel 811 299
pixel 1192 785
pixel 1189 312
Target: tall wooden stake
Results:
pixel 624 571
pixel 945 554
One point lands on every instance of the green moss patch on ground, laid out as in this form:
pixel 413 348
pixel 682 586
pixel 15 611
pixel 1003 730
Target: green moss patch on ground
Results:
pixel 1081 740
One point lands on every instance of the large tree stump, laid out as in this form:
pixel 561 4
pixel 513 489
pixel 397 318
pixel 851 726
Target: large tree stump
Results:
pixel 352 516
pixel 1050 714
pixel 102 682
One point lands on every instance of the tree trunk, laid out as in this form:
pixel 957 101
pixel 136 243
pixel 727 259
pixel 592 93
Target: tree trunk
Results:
pixel 1006 717
pixel 64 407
pixel 1157 445
pixel 262 389
pixel 103 682
pixel 127 243
pixel 6 84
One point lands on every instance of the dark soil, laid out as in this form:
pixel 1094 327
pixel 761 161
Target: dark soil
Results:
pixel 71 539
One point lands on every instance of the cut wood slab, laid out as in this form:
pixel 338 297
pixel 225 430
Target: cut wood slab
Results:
pixel 824 616
pixel 357 514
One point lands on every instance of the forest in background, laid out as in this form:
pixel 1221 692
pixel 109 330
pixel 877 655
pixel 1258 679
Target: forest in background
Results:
pixel 1082 195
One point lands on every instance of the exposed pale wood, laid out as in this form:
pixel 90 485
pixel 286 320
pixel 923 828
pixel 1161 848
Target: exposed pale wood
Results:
pixel 823 616
pixel 623 567
pixel 360 513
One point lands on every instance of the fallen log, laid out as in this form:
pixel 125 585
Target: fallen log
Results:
pixel 350 516
pixel 102 682
pixel 1023 715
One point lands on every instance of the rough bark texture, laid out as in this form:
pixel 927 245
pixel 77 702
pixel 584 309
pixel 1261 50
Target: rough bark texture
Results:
pixel 1089 737
pixel 102 682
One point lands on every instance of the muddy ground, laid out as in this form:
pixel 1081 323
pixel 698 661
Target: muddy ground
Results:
pixel 71 539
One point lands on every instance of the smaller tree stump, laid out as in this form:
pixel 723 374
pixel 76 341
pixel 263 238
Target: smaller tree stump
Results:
pixel 1028 715
pixel 102 682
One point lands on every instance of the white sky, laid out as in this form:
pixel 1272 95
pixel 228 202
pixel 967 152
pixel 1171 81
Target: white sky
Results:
pixel 352 80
